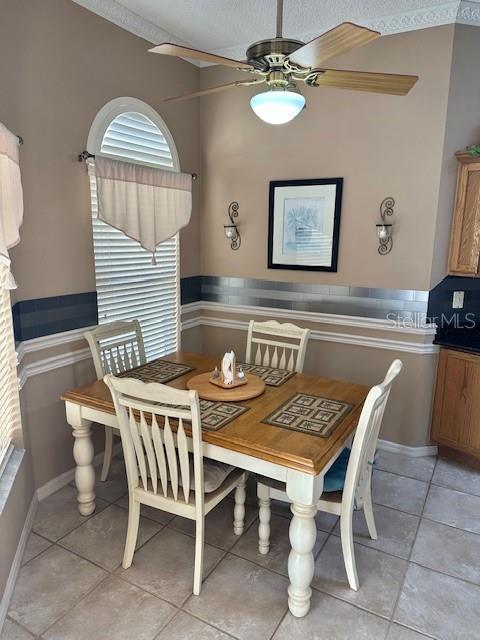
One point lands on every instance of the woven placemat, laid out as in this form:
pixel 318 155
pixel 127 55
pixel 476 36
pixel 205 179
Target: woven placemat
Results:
pixel 311 414
pixel 215 415
pixel 158 371
pixel 272 377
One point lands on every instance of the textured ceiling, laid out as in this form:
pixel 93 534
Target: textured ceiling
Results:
pixel 217 24
pixel 227 27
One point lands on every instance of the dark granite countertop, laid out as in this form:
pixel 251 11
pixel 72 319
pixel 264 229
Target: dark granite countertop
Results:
pixel 462 338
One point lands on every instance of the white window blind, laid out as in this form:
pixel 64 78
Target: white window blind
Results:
pixel 128 284
pixel 9 402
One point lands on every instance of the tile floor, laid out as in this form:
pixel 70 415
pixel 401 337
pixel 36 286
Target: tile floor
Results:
pixel 420 579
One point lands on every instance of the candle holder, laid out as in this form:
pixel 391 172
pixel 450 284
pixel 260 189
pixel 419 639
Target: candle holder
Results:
pixel 384 229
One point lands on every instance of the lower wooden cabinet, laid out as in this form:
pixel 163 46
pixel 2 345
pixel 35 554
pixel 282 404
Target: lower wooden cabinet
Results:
pixel 456 411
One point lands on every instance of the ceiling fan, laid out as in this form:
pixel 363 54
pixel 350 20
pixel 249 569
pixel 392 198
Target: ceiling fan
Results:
pixel 282 63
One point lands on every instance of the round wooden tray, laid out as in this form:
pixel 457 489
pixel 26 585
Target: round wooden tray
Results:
pixel 255 386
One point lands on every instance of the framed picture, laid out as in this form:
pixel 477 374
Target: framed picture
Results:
pixel 304 224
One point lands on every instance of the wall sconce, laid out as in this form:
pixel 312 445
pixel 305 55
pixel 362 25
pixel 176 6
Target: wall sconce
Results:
pixel 384 230
pixel 231 230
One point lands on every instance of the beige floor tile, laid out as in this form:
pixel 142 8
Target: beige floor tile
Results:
pixel 162 517
pixel 13 631
pixel 277 558
pixel 218 524
pixel 398 492
pixel 402 633
pixel 439 605
pixel 453 475
pixel 396 530
pixel 164 565
pixel 323 521
pixel 242 599
pixel 186 627
pixel 380 576
pixel 58 514
pixel 448 550
pixel 35 545
pixel 114 610
pixel 49 585
pixel 102 538
pixel 115 486
pixel 331 619
pixel 417 468
pixel 454 508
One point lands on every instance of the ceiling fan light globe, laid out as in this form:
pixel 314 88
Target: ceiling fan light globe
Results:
pixel 277 107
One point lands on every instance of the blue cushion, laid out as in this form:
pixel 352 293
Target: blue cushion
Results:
pixel 335 476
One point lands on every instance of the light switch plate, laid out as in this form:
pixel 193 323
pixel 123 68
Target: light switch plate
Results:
pixel 457 302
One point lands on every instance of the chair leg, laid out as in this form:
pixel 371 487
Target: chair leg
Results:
pixel 264 514
pixel 198 571
pixel 368 511
pixel 346 533
pixel 132 532
pixel 107 456
pixel 239 509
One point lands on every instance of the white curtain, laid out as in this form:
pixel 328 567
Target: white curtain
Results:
pixel 149 205
pixel 11 197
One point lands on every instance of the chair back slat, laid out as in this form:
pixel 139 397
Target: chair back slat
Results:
pixel 284 345
pixel 137 445
pixel 171 457
pixel 160 454
pixel 156 449
pixel 274 360
pixel 182 448
pixel 360 464
pixel 148 446
pixel 116 347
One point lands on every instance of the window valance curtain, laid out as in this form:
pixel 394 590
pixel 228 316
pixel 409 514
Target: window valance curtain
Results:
pixel 149 205
pixel 11 198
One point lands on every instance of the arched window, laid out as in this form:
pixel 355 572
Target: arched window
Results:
pixel 128 284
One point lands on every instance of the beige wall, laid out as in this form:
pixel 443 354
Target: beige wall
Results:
pixel 381 145
pixel 59 64
pixel 462 128
pixel 13 515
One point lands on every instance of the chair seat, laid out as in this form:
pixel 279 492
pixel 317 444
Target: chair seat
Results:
pixel 214 473
pixel 333 481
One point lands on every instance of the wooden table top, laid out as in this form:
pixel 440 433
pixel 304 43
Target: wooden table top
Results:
pixel 247 434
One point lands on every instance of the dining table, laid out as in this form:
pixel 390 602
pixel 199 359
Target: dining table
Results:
pixel 294 457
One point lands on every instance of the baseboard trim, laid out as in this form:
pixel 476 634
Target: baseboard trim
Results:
pixel 55 484
pixel 411 452
pixel 17 560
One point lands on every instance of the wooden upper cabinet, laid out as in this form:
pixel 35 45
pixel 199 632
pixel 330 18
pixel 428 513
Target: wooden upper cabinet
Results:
pixel 464 256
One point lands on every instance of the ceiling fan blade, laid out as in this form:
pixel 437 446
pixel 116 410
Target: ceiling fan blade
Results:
pixel 168 49
pixel 392 83
pixel 220 87
pixel 332 43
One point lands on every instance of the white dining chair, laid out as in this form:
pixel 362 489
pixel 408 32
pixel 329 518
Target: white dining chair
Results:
pixel 276 345
pixel 347 484
pixel 161 472
pixel 116 347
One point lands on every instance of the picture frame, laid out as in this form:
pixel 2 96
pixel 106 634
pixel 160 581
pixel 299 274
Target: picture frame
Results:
pixel 304 224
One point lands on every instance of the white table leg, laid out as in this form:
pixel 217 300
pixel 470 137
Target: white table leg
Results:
pixel 304 492
pixel 83 455
pixel 239 509
pixel 303 534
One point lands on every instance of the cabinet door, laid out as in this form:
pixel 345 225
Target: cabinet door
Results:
pixel 456 415
pixel 465 239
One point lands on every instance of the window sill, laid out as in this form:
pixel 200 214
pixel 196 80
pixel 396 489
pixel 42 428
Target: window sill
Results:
pixel 8 474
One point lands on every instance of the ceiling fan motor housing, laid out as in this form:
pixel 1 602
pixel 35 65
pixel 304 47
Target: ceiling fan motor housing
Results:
pixel 268 54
